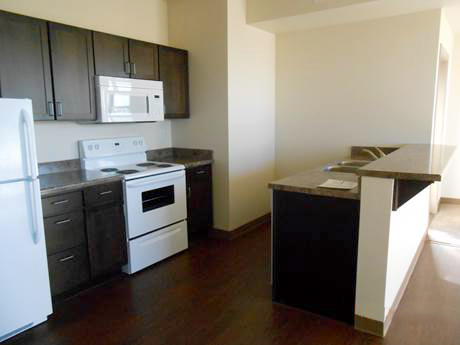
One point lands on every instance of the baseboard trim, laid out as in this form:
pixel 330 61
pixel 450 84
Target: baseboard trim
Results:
pixel 240 231
pixel 370 326
pixel 380 328
pixel 450 201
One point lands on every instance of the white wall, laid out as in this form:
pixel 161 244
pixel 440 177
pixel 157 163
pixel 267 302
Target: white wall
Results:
pixel 251 116
pixel 388 243
pixel 368 83
pixel 200 26
pixel 451 182
pixel 141 19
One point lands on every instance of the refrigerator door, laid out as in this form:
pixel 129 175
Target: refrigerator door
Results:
pixel 17 139
pixel 25 298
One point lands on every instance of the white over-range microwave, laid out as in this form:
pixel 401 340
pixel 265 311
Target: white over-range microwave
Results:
pixel 129 100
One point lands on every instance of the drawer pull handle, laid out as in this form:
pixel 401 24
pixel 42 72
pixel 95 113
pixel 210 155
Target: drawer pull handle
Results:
pixel 107 192
pixel 60 202
pixel 201 172
pixel 63 221
pixel 67 258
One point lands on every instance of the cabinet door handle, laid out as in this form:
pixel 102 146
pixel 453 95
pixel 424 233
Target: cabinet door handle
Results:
pixel 63 221
pixel 60 202
pixel 201 172
pixel 107 192
pixel 127 67
pixel 50 108
pixel 67 258
pixel 59 110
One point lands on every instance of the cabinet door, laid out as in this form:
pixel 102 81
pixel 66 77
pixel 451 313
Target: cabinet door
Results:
pixel 25 63
pixel 73 72
pixel 144 60
pixel 173 64
pixel 106 239
pixel 199 199
pixel 111 56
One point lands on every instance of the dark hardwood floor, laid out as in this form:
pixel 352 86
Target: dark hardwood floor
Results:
pixel 218 292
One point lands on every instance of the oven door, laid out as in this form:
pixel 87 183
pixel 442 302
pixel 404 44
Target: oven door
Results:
pixel 155 202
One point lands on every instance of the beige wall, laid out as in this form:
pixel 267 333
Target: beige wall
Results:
pixel 232 80
pixel 140 19
pixel 200 26
pixel 251 116
pixel 368 83
pixel 451 182
pixel 260 10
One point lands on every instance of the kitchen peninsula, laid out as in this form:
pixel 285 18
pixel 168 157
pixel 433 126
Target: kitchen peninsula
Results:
pixel 348 254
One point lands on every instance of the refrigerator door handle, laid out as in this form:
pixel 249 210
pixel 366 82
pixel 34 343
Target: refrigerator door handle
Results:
pixel 33 210
pixel 32 165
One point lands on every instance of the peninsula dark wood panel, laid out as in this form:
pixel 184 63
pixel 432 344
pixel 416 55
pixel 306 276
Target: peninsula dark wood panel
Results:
pixel 111 55
pixel 315 243
pixel 174 74
pixel 199 200
pixel 72 64
pixel 25 63
pixel 144 60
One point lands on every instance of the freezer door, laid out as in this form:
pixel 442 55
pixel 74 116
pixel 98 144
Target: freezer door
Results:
pixel 25 297
pixel 17 140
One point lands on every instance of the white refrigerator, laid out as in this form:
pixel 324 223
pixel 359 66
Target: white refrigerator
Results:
pixel 25 297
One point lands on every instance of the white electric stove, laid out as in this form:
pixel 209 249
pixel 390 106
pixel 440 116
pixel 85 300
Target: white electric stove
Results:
pixel 154 197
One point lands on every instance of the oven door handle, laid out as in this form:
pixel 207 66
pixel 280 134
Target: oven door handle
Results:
pixel 155 179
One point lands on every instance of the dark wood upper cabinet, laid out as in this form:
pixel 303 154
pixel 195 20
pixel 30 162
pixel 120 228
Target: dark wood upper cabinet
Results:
pixel 144 60
pixel 73 72
pixel 111 55
pixel 55 64
pixel 174 74
pixel 25 62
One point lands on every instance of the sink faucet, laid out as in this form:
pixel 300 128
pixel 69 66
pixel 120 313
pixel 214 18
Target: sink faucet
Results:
pixel 372 154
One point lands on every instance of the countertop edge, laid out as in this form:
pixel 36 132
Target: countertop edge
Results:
pixel 68 188
pixel 331 193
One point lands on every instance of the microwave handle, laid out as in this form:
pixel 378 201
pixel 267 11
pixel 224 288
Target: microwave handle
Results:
pixel 160 178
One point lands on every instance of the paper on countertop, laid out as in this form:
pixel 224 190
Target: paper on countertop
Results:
pixel 338 184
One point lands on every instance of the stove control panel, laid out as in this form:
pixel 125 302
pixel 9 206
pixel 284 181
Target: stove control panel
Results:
pixel 97 148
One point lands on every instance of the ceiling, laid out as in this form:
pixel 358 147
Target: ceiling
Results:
pixel 355 12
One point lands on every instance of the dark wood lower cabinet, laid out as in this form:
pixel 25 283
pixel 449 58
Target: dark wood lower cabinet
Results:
pixel 199 200
pixel 85 236
pixel 106 243
pixel 315 245
pixel 68 269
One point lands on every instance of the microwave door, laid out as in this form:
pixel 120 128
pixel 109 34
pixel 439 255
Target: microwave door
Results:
pixel 131 105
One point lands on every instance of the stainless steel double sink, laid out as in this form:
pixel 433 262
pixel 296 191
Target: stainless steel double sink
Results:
pixel 347 166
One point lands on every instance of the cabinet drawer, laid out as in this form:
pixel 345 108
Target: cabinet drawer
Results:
pixel 64 232
pixel 68 269
pixel 200 172
pixel 62 204
pixel 103 194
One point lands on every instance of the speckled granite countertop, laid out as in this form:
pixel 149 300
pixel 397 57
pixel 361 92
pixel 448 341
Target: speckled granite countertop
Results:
pixel 190 158
pixel 307 182
pixel 66 176
pixel 69 181
pixel 418 162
